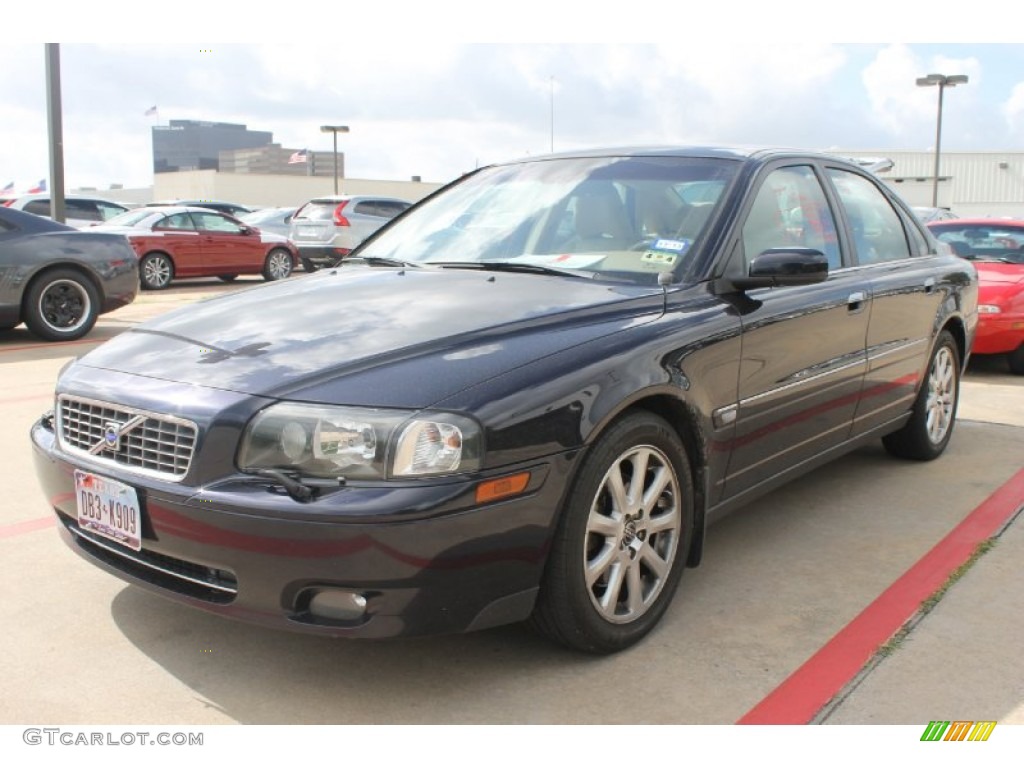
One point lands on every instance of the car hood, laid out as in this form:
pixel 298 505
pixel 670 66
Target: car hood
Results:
pixel 373 336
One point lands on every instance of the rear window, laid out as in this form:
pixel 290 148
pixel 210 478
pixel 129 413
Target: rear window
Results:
pixel 317 210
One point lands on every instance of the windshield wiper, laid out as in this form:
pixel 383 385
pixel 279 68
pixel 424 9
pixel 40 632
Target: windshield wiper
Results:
pixel 379 261
pixel 514 266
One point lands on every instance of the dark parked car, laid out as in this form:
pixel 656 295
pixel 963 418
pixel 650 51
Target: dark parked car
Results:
pixel 175 242
pixel 57 279
pixel 524 399
pixel 996 246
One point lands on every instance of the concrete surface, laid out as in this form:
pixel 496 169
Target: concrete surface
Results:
pixel 779 579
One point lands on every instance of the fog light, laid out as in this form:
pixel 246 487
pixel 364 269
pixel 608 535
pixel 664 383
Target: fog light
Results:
pixel 337 604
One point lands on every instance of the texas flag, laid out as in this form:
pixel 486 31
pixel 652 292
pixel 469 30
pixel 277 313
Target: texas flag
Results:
pixel 40 187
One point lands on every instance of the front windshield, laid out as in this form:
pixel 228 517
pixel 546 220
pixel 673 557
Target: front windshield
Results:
pixel 129 218
pixel 622 218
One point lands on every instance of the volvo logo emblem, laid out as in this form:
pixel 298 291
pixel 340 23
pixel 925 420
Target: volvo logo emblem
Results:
pixel 112 436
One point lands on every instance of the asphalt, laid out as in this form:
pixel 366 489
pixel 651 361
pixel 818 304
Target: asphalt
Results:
pixel 871 592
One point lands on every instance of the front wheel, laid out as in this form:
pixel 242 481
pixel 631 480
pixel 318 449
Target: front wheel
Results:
pixel 278 265
pixel 61 305
pixel 156 270
pixel 1016 360
pixel 927 434
pixel 620 547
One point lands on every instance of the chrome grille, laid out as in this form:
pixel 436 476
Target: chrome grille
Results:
pixel 141 441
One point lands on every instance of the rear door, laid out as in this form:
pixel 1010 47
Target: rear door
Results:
pixel 177 236
pixel 893 257
pixel 803 357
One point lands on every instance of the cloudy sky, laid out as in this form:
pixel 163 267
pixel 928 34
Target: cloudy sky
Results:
pixel 421 101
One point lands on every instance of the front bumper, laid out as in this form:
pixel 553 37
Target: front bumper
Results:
pixel 425 558
pixel 998 333
pixel 322 255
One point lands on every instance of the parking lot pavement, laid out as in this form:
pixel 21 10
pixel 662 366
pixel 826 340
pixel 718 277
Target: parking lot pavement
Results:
pixel 781 580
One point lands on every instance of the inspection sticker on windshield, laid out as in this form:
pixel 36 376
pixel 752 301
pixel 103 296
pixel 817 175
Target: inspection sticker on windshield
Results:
pixel 664 253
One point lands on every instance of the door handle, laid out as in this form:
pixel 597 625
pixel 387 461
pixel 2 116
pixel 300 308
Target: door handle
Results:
pixel 929 285
pixel 855 301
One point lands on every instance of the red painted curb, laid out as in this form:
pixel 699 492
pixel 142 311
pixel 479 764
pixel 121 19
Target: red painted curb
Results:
pixel 7 531
pixel 805 692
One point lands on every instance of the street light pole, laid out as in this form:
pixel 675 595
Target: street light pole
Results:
pixel 335 129
pixel 943 82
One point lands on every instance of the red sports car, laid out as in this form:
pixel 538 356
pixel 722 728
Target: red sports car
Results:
pixel 996 246
pixel 182 241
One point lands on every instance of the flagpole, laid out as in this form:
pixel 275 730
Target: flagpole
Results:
pixel 56 130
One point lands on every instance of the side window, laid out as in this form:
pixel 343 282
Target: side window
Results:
pixel 877 230
pixel 81 209
pixel 109 211
pixel 390 209
pixel 177 222
pixel 38 207
pixel 791 209
pixel 212 222
pixel 368 208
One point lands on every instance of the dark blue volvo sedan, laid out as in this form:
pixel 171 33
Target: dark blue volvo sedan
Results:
pixel 524 399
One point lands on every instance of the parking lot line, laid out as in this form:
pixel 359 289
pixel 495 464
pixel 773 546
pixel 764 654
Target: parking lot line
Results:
pixel 813 685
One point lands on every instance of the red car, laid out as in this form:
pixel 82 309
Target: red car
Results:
pixel 996 246
pixel 182 241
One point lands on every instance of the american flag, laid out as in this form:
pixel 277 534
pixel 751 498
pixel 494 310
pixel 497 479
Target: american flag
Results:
pixel 40 187
pixel 150 112
pixel 299 157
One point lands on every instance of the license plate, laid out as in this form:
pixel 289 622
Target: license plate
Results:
pixel 309 233
pixel 108 508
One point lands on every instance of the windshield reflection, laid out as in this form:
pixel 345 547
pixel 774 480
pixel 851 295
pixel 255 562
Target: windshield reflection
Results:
pixel 612 218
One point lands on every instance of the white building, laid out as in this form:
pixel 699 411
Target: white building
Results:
pixel 970 184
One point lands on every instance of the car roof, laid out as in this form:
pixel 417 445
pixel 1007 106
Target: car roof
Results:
pixel 49 196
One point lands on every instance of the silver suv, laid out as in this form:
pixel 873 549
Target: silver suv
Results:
pixel 326 229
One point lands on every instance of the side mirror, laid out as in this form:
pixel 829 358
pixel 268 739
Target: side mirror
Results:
pixel 778 267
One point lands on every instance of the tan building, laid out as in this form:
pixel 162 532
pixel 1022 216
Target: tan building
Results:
pixel 275 159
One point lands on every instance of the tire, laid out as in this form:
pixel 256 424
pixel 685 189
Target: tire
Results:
pixel 933 416
pixel 614 567
pixel 61 305
pixel 308 265
pixel 278 265
pixel 156 270
pixel 1016 360
pixel 227 278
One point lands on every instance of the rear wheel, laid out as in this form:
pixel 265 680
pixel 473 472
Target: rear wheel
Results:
pixel 1016 360
pixel 309 266
pixel 620 547
pixel 927 434
pixel 61 305
pixel 156 270
pixel 278 265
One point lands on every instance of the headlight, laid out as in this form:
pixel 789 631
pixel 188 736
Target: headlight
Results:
pixel 359 443
pixel 989 309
